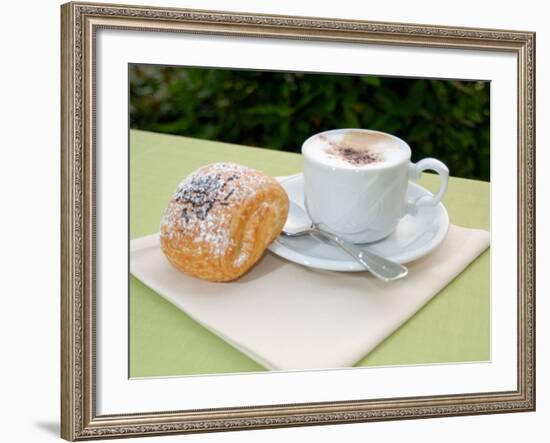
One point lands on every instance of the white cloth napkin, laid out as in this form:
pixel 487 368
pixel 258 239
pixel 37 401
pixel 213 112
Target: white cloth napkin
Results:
pixel 285 316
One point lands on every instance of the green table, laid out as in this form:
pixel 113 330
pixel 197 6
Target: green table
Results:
pixel 453 327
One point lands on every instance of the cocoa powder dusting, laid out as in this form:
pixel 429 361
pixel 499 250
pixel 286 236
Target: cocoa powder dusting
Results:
pixel 351 154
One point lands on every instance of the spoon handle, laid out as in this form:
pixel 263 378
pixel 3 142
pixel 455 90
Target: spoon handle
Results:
pixel 380 267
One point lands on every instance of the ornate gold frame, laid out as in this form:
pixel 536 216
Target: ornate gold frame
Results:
pixel 79 22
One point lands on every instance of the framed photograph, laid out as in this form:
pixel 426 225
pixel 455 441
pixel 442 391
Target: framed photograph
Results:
pixel 277 221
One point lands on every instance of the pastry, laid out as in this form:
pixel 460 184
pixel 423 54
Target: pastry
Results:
pixel 221 219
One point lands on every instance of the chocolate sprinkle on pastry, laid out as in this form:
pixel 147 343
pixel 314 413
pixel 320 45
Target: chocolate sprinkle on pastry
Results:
pixel 201 193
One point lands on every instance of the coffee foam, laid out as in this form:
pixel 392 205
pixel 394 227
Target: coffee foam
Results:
pixel 355 149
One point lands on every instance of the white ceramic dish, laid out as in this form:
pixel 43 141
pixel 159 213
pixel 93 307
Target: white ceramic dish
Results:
pixel 414 237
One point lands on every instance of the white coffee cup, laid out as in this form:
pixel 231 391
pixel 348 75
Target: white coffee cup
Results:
pixel 355 182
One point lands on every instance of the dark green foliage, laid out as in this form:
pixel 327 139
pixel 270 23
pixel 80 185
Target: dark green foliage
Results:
pixel 446 119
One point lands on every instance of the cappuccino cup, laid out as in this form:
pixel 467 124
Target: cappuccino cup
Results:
pixel 355 182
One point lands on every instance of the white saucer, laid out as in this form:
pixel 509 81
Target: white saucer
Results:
pixel 414 237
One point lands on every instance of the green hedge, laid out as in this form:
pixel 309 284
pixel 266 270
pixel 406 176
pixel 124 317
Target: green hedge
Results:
pixel 447 119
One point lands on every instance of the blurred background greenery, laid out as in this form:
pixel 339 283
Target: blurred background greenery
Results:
pixel 447 119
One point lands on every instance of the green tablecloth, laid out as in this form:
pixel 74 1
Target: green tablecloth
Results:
pixel 164 341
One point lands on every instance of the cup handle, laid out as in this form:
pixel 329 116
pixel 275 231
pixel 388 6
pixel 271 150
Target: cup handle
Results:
pixel 415 171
